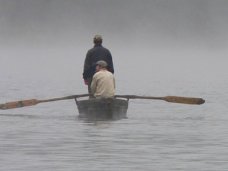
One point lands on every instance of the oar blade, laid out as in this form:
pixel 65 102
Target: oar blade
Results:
pixel 184 100
pixel 18 104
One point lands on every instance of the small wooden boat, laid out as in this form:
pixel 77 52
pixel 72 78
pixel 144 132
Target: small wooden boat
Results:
pixel 102 109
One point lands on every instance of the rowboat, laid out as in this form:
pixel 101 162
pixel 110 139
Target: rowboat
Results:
pixel 102 109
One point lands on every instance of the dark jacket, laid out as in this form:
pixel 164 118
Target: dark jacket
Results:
pixel 97 53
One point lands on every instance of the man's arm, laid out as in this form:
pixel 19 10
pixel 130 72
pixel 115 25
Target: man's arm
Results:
pixel 93 84
pixel 110 63
pixel 86 69
pixel 114 82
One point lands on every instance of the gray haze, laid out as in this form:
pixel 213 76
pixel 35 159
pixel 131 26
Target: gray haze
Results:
pixel 148 22
pixel 159 48
pixel 171 39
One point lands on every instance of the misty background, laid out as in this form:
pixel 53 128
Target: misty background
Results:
pixel 159 48
pixel 44 42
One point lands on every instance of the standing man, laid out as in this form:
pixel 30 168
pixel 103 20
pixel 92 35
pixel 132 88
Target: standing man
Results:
pixel 97 53
pixel 103 82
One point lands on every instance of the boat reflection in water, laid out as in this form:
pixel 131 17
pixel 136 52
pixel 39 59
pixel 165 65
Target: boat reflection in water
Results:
pixel 102 109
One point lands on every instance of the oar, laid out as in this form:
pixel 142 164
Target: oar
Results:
pixel 172 99
pixel 32 102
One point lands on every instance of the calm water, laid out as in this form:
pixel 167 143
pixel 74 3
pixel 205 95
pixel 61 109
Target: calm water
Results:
pixel 156 136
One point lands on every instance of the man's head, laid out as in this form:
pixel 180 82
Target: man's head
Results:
pixel 97 40
pixel 101 65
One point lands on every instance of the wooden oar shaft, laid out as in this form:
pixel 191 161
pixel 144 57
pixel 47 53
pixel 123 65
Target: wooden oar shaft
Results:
pixel 64 98
pixel 32 102
pixel 139 97
pixel 172 99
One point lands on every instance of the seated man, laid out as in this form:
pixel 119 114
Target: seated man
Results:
pixel 103 82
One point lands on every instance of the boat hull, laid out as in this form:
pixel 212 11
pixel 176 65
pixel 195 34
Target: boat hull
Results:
pixel 103 109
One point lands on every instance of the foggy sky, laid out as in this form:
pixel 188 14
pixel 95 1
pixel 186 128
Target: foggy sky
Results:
pixel 201 22
pixel 46 41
